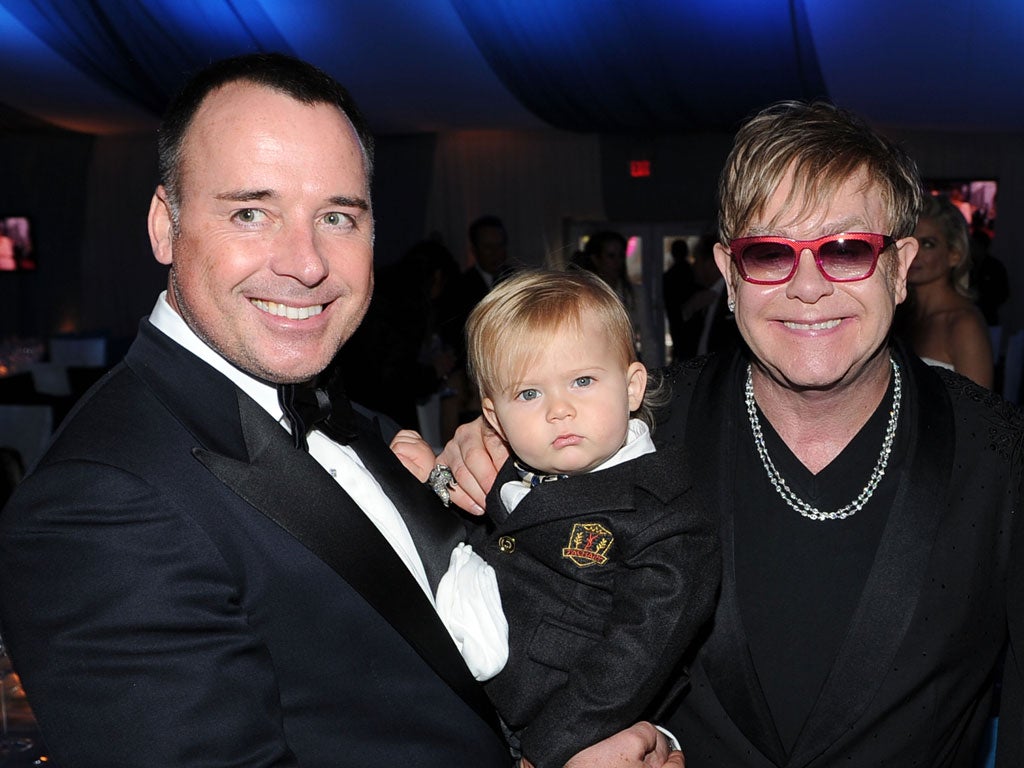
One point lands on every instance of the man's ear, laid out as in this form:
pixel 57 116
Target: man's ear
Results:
pixel 161 227
pixel 636 384
pixel 906 250
pixel 723 260
pixel 487 406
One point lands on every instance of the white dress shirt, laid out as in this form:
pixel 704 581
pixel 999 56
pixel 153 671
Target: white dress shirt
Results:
pixel 471 606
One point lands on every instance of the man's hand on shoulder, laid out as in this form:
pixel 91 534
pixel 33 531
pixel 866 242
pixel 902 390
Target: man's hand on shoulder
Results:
pixel 639 746
pixel 474 455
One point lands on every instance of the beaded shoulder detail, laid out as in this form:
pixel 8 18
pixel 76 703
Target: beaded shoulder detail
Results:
pixel 688 368
pixel 1004 421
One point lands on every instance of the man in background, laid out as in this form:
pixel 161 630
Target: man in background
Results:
pixel 488 247
pixel 707 319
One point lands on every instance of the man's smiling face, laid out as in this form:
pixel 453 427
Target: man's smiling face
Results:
pixel 272 262
pixel 810 333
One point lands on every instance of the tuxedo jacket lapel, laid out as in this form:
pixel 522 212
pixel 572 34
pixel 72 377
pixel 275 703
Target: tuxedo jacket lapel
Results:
pixel 890 595
pixel 435 529
pixel 726 656
pixel 198 396
pixel 318 513
pixel 254 457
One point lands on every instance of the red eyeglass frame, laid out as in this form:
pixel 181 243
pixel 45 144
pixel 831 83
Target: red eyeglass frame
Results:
pixel 877 241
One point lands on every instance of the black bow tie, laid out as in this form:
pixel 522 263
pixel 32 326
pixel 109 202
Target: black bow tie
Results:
pixel 308 407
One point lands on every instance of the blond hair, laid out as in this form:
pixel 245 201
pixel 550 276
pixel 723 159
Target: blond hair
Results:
pixel 824 146
pixel 512 325
pixel 951 221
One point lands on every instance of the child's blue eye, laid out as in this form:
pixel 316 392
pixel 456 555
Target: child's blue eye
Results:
pixel 584 381
pixel 528 394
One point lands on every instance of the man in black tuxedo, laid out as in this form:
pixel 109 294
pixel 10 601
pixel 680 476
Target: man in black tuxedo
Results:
pixel 488 244
pixel 189 578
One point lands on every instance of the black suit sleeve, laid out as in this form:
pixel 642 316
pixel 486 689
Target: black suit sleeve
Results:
pixel 1010 735
pixel 125 619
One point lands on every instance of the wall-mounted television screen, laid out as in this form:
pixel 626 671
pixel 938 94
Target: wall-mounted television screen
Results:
pixel 16 245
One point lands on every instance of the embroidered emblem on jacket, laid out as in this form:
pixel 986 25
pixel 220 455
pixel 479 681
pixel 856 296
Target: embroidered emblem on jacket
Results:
pixel 588 544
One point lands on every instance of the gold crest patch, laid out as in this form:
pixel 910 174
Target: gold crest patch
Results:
pixel 588 544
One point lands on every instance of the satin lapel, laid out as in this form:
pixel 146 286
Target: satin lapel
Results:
pixel 894 583
pixel 200 397
pixel 435 530
pixel 714 430
pixel 317 512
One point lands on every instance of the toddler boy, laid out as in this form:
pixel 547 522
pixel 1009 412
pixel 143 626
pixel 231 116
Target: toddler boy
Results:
pixel 606 563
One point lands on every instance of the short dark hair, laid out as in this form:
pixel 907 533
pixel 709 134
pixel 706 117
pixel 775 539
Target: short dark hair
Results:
pixel 287 74
pixel 485 222
pixel 680 249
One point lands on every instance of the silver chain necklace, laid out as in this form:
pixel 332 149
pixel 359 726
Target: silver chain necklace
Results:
pixel 780 485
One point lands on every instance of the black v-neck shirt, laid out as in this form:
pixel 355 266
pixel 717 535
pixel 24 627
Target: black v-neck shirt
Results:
pixel 798 580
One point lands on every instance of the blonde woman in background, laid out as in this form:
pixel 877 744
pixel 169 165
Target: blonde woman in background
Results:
pixel 940 320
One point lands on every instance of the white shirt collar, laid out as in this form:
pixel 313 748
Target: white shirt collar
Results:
pixel 638 443
pixel 171 323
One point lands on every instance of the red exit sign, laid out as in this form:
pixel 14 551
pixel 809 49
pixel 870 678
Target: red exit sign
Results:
pixel 639 169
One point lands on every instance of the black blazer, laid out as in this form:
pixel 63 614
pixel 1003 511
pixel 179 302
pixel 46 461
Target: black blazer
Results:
pixel 605 579
pixel 159 617
pixel 911 683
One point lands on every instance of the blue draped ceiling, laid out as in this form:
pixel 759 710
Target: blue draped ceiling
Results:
pixel 637 66
pixel 643 64
pixel 141 49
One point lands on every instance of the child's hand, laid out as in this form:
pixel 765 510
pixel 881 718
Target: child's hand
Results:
pixel 414 452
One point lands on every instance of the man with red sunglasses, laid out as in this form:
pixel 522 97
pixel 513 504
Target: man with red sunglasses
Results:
pixel 873 571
